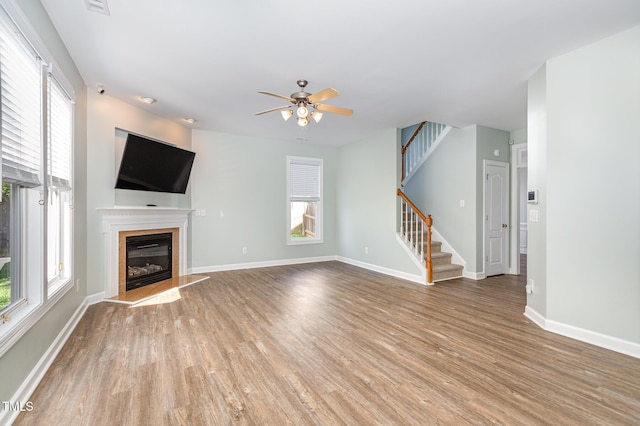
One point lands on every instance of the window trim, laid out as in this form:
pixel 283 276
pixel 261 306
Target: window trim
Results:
pixel 37 296
pixel 58 283
pixel 319 238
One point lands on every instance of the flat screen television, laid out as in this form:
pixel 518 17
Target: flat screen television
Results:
pixel 148 165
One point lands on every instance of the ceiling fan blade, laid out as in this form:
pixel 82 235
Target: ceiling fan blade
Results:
pixel 334 109
pixel 323 95
pixel 286 98
pixel 273 109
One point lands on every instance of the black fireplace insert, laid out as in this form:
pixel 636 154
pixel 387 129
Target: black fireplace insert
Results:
pixel 148 259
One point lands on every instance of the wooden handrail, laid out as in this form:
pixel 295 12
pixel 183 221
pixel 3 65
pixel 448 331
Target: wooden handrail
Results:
pixel 413 206
pixel 411 139
pixel 409 142
pixel 429 222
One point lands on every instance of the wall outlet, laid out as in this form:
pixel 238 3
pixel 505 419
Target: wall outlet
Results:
pixel 244 250
pixel 366 250
pixel 529 287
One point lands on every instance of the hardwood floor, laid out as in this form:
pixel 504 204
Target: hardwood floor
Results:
pixel 329 343
pixel 151 291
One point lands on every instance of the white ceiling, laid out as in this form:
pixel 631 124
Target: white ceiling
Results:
pixel 395 63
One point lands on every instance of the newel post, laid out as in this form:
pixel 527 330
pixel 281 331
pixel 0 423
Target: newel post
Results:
pixel 429 222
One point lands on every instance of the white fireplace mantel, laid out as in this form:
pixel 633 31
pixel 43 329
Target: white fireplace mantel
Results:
pixel 117 219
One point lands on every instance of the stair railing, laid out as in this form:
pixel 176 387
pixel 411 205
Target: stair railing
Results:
pixel 414 230
pixel 418 144
pixel 408 159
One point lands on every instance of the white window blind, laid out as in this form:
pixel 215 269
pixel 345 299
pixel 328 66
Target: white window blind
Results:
pixel 304 181
pixel 21 95
pixel 60 136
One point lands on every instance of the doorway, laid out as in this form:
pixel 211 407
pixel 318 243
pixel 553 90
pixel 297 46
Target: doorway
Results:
pixel 519 234
pixel 496 217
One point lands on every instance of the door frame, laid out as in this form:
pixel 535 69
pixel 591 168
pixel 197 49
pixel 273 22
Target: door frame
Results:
pixel 485 163
pixel 518 162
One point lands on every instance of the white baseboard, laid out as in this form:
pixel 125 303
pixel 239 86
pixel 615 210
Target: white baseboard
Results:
pixel 534 316
pixel 602 340
pixel 29 385
pixel 474 275
pixel 420 279
pixel 264 264
pixel 231 267
pixel 95 298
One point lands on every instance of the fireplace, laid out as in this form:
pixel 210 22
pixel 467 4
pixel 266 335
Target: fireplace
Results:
pixel 121 222
pixel 148 259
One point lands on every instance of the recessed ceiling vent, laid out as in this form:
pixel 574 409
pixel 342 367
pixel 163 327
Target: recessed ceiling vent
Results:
pixel 99 6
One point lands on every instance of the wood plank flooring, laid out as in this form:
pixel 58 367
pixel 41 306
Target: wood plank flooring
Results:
pixel 331 344
pixel 142 294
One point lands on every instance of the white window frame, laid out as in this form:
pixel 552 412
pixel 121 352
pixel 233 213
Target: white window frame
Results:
pixel 37 296
pixel 59 149
pixel 318 238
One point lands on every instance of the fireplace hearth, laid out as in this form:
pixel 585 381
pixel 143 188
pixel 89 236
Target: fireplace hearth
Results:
pixel 148 259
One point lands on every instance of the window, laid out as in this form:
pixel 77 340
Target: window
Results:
pixel 9 290
pixel 36 205
pixel 304 210
pixel 59 153
pixel 21 112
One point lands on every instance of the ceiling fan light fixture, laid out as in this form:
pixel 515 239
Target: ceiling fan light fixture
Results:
pixel 286 114
pixel 302 112
pixel 305 105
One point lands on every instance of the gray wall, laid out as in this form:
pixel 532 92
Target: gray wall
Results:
pixel 18 362
pixel 240 182
pixel 448 176
pixel 537 180
pixel 593 193
pixel 368 177
pixel 105 115
pixel 453 173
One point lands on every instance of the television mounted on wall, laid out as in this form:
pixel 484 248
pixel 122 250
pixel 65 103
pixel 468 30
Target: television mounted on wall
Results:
pixel 149 165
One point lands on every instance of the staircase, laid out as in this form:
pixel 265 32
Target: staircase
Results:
pixel 420 145
pixel 416 227
pixel 443 269
pixel 416 234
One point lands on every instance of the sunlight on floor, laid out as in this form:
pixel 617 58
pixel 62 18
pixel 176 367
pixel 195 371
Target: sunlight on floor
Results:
pixel 166 297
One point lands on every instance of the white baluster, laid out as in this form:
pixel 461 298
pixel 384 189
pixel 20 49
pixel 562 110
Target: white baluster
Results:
pixel 421 239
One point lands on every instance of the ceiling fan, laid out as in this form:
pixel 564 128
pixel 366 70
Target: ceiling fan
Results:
pixel 306 105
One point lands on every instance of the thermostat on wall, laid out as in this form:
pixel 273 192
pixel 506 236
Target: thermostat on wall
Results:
pixel 532 197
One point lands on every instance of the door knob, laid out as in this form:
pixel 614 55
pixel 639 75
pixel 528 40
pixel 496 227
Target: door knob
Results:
pixel 504 225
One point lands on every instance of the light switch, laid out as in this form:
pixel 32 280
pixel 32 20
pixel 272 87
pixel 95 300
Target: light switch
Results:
pixel 533 215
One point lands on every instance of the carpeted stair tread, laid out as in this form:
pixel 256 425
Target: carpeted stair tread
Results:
pixel 447 271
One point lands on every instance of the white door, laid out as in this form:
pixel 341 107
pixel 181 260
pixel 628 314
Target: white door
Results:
pixel 496 203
